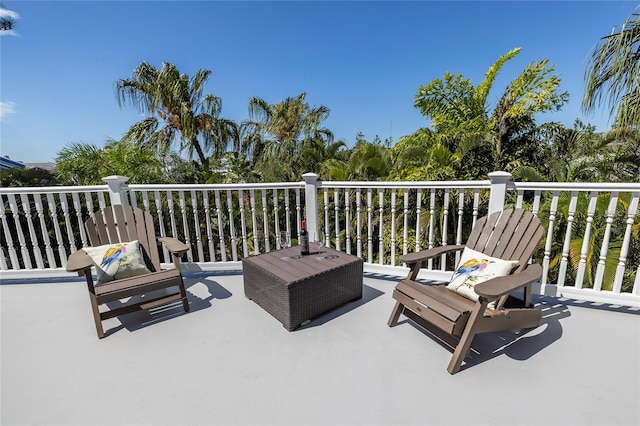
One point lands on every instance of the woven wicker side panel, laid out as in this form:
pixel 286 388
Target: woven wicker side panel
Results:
pixel 321 293
pixel 294 303
pixel 268 291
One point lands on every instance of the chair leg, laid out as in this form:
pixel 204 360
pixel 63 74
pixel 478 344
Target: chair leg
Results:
pixel 183 295
pixel 94 304
pixel 462 349
pixel 395 314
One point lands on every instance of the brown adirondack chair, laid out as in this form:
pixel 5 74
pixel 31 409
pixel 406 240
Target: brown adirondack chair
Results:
pixel 507 235
pixel 124 224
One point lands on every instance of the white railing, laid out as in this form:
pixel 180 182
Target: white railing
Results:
pixel 581 219
pixel 590 227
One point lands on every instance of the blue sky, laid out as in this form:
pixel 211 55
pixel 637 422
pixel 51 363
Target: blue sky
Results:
pixel 363 60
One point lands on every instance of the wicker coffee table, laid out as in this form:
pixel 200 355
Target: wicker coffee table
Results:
pixel 296 288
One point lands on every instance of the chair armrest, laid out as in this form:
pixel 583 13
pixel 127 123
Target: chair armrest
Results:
pixel 79 261
pixel 420 256
pixel 496 287
pixel 173 245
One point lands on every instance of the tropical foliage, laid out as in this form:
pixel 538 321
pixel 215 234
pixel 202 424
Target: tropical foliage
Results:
pixel 613 75
pixel 87 164
pixel 179 113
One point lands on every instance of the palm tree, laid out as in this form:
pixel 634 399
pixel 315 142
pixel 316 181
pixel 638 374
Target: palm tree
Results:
pixel 290 133
pixel 178 111
pixel 613 75
pixel 459 111
pixel 87 164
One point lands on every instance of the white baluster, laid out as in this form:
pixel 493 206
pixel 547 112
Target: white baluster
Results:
pixel 567 239
pixel 445 228
pixel 265 221
pixel 418 213
pixel 287 209
pixel 611 211
pixel 393 227
pixel 161 228
pixel 256 242
pixel 276 208
pixel 405 223
pixel 241 201
pixel 476 202
pixel 536 202
pixel 223 246
pixel 174 227
pixel 232 226
pixel 369 226
pixel 101 201
pixel 67 220
pixel 347 228
pixel 298 212
pixel 584 251
pixel 327 228
pixel 133 200
pixel 88 199
pixel 432 215
pixel 35 248
pixel 185 224
pixel 520 198
pixel 44 230
pixel 336 209
pixel 358 224
pixel 460 220
pixel 13 255
pixel 624 252
pixel 56 227
pixel 209 226
pixel 145 201
pixel 78 208
pixel 549 241
pixel 196 221
pixel 380 226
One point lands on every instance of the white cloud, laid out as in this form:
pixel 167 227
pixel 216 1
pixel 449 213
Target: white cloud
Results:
pixel 6 13
pixel 6 108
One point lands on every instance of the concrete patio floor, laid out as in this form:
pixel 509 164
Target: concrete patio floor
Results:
pixel 228 362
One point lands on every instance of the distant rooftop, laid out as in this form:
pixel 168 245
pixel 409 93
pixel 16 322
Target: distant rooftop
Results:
pixel 8 163
pixel 44 166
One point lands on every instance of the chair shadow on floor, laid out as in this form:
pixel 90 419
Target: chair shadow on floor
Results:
pixel 368 294
pixel 201 291
pixel 516 344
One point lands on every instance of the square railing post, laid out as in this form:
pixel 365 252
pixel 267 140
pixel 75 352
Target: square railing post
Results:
pixel 498 193
pixel 311 203
pixel 117 189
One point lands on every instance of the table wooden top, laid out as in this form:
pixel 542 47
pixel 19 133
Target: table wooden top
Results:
pixel 288 265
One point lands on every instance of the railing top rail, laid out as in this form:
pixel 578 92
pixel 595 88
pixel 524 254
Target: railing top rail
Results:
pixel 406 184
pixel 215 186
pixel 53 189
pixel 576 186
pixel 548 186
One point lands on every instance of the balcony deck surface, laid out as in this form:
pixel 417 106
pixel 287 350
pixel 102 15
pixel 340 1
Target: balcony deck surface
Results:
pixel 229 362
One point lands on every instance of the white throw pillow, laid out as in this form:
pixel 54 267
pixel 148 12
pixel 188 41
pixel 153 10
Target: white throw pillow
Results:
pixel 476 267
pixel 115 261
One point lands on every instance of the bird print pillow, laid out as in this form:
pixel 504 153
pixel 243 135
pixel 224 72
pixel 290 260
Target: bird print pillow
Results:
pixel 476 267
pixel 115 261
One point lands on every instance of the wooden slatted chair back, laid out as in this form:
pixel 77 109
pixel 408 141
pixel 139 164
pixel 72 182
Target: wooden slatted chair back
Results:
pixel 511 234
pixel 121 224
